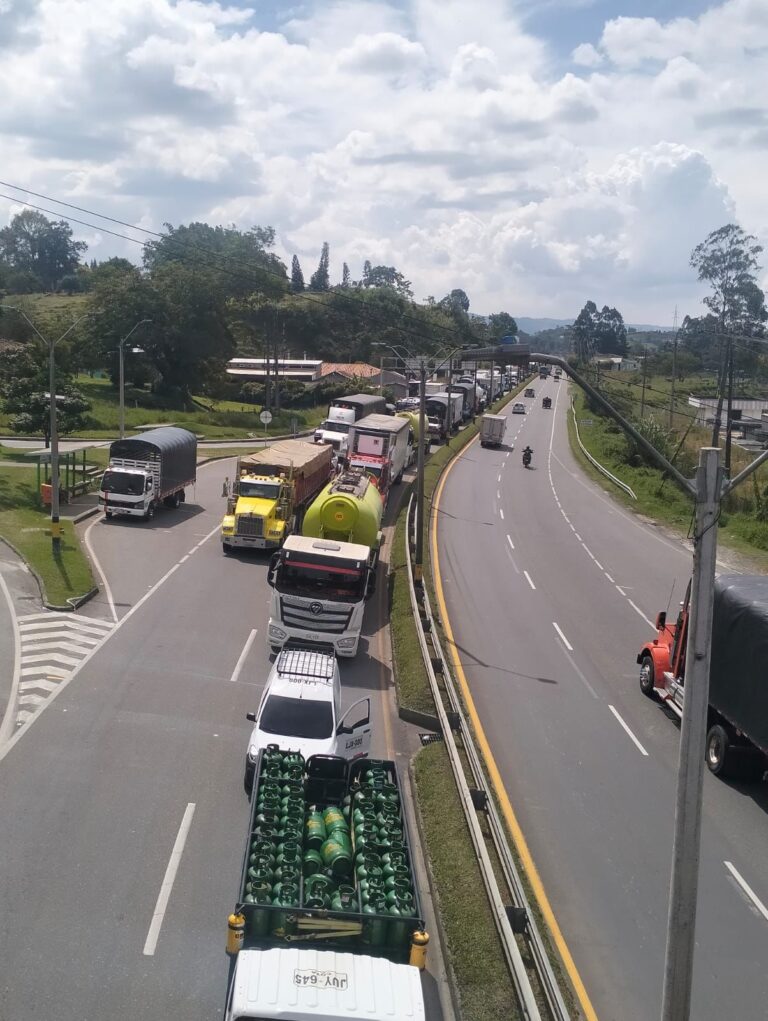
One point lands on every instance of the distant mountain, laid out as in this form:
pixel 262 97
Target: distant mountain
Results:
pixel 532 326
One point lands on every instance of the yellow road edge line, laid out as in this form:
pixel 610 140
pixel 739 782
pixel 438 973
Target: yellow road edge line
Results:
pixel 386 706
pixel 493 770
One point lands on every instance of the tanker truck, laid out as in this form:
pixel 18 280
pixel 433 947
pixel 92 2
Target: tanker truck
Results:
pixel 322 578
pixel 271 490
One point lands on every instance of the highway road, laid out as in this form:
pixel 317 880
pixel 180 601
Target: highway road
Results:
pixel 137 753
pixel 551 588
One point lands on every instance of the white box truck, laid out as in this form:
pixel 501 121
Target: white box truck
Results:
pixel 492 430
pixel 342 415
pixel 382 447
pixel 145 471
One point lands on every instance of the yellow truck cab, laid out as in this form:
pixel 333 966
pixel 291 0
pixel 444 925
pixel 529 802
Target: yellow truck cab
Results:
pixel 270 493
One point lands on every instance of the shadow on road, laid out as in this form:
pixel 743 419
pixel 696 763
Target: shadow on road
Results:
pixel 476 661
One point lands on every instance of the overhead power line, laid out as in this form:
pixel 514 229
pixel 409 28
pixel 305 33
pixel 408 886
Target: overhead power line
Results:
pixel 355 305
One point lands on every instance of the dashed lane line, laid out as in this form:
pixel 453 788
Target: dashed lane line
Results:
pixel 618 716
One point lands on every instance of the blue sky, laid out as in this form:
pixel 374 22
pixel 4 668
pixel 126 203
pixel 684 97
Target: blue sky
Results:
pixel 536 154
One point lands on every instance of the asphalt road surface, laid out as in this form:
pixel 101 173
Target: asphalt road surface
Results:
pixel 551 590
pixel 141 752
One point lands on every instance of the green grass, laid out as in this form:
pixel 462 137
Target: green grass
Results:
pixel 483 983
pixel 662 499
pixel 42 309
pixel 27 527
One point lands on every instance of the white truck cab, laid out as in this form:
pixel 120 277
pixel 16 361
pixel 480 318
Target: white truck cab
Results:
pixel 300 709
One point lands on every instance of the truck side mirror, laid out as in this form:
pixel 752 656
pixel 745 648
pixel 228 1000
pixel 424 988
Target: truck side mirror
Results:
pixel 251 717
pixel 274 563
pixel 370 583
pixel 661 620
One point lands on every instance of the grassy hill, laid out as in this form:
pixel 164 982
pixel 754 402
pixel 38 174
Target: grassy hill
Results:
pixel 43 309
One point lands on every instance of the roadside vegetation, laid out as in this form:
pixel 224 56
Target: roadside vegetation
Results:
pixel 474 953
pixel 27 527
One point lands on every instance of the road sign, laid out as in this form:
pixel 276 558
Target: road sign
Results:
pixel 265 417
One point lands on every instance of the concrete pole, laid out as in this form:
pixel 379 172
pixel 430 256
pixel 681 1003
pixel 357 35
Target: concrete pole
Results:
pixel 419 552
pixel 681 924
pixel 55 526
pixel 122 387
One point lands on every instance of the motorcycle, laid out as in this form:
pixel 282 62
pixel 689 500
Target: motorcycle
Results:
pixel 526 459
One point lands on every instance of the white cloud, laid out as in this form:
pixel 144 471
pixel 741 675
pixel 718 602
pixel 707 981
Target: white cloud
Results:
pixel 432 134
pixel 585 55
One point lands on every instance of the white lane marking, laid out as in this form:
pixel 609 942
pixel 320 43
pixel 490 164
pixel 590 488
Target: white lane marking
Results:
pixel 511 544
pixel 97 565
pixel 184 558
pixel 637 609
pixel 610 579
pixel 170 876
pixel 598 564
pixel 621 590
pixel 577 535
pixel 498 495
pixel 498 478
pixel 747 889
pixel 584 680
pixel 529 580
pixel 243 655
pixel 501 513
pixel 626 728
pixel 9 719
pixel 565 641
pixel 588 551
pixel 136 606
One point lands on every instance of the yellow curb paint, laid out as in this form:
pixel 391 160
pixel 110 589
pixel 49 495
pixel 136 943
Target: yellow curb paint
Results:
pixel 493 770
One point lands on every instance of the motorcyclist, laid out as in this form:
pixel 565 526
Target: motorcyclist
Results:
pixel 527 455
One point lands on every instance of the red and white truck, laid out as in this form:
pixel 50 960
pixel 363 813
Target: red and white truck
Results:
pixel 382 447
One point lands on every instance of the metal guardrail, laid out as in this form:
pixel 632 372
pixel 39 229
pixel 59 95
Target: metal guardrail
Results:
pixel 458 723
pixel 592 460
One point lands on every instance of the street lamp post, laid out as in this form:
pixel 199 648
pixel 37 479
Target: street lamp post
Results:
pixel 51 345
pixel 121 348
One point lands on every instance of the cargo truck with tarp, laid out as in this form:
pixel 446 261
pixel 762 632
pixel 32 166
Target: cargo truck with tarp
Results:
pixel 322 579
pixel 328 922
pixel 270 492
pixel 148 470
pixel 737 725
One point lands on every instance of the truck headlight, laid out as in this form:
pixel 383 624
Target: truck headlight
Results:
pixel 228 525
pixel 253 753
pixel 347 643
pixel 275 531
pixel 277 632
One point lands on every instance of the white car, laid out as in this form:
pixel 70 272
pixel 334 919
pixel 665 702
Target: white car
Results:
pixel 300 710
pixel 518 409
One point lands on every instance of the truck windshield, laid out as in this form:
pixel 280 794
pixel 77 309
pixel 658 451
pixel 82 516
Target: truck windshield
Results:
pixel 346 584
pixel 336 427
pixel 294 717
pixel 262 490
pixel 125 483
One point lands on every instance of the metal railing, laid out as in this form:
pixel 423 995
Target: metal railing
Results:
pixel 457 725
pixel 596 463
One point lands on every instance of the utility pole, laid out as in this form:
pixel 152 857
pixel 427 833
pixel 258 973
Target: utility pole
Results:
pixel 121 351
pixel 645 370
pixel 681 924
pixel 419 551
pixel 674 373
pixel 721 386
pixel 729 412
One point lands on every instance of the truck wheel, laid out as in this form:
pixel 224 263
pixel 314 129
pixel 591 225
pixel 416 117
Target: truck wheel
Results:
pixel 647 676
pixel 107 514
pixel 718 752
pixel 226 547
pixel 149 513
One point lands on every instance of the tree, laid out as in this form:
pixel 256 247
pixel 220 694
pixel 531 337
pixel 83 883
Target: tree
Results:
pixel 71 284
pixel 388 276
pixel 25 394
pixel 583 333
pixel 456 302
pixel 237 262
pixel 34 244
pixel 610 332
pixel 297 277
pixel 320 280
pixel 727 260
pixel 345 277
pixel 501 324
pixel 366 281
